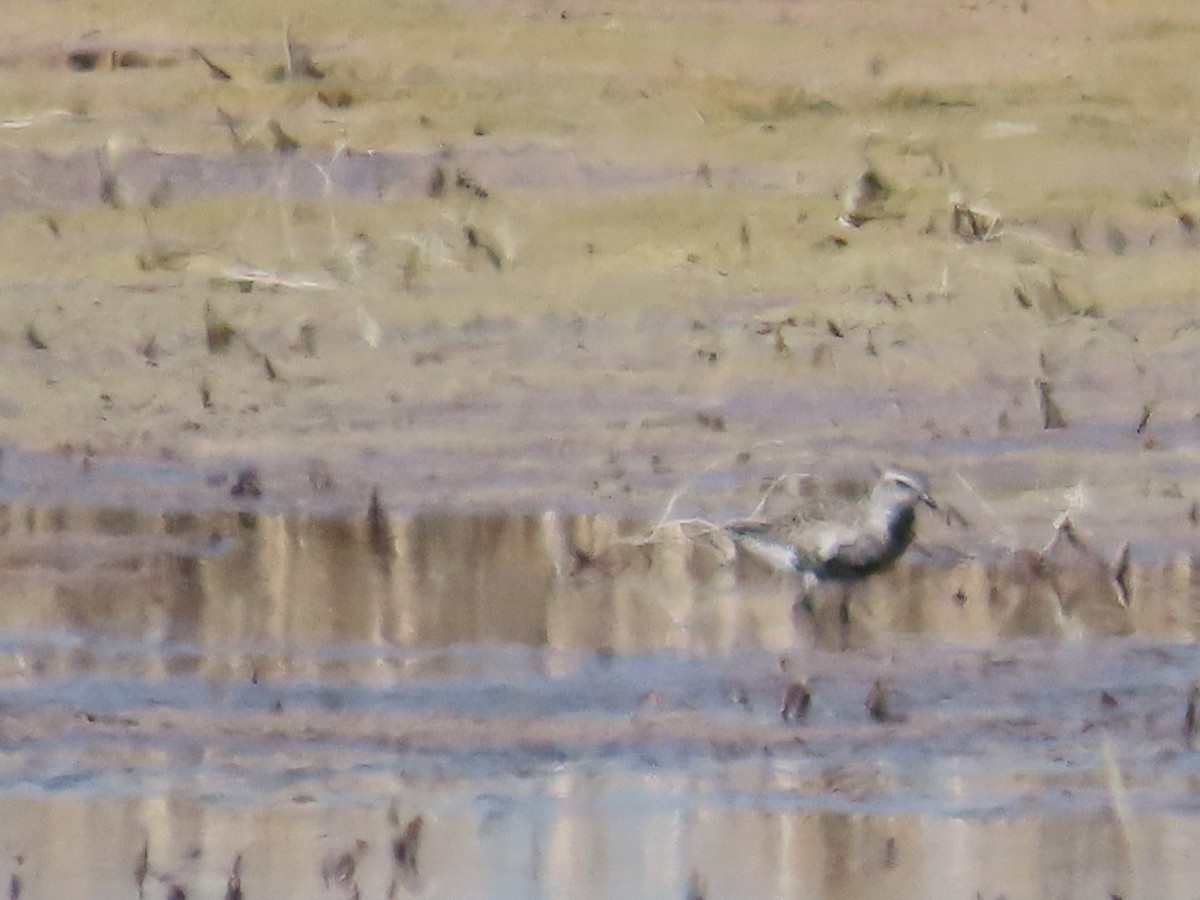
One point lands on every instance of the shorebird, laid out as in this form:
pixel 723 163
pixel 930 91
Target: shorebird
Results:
pixel 841 551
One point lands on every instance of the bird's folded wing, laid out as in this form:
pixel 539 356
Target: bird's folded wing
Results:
pixel 766 542
pixel 776 555
pixel 852 552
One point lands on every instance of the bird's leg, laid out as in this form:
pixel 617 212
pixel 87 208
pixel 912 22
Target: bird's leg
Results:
pixel 844 607
pixel 804 601
pixel 803 604
pixel 844 616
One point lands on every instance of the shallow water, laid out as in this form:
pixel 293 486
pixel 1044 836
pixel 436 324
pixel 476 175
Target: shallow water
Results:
pixel 573 708
pixel 72 180
pixel 637 290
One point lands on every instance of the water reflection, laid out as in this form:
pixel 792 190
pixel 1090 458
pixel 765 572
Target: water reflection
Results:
pixel 580 839
pixel 576 706
pixel 567 582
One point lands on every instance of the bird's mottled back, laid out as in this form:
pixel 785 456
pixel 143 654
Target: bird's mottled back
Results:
pixel 882 531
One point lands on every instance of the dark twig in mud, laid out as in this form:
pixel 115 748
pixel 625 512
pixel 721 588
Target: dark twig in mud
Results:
pixel 437 183
pixel 233 887
pixel 161 194
pixel 1144 420
pixel 320 476
pixel 162 259
pixel 410 271
pixel 338 869
pixel 336 98
pixel 248 484
pixel 775 329
pixel 306 339
pixel 955 518
pixel 33 339
pixel 1118 242
pixel 230 123
pixel 218 334
pixel 1052 415
pixel 379 529
pixel 822 356
pixel 864 199
pixel 582 560
pixel 1064 530
pixel 285 144
pixel 213 69
pixel 1189 716
pixel 1117 571
pixel 877 703
pixel 406 846
pixel 1120 574
pixel 297 61
pixel 971 224
pixel 797 699
pixel 781 347
pixel 141 867
pixel 476 240
pixel 1186 221
pixel 14 883
pixel 112 192
pixel 464 181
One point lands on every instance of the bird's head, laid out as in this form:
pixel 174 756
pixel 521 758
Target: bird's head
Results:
pixel 903 489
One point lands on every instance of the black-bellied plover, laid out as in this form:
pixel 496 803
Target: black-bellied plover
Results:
pixel 841 551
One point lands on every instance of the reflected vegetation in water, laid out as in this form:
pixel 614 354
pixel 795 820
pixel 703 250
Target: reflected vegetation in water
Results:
pixel 571 704
pixel 569 582
pixel 494 845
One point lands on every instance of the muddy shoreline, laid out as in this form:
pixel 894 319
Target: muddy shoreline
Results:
pixel 555 284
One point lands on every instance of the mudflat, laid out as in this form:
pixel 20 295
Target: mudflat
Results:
pixel 492 253
pixel 261 261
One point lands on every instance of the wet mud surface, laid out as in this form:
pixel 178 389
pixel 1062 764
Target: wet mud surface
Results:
pixel 560 288
pixel 524 681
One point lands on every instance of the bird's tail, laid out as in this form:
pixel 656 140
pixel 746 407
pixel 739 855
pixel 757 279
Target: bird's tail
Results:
pixel 776 554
